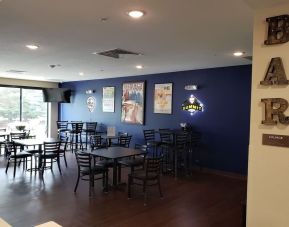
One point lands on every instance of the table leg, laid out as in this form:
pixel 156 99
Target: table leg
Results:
pixel 114 178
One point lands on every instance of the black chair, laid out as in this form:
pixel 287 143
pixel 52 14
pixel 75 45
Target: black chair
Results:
pixel 75 135
pixel 87 171
pixel 62 129
pixel 96 142
pixel 123 141
pixel 50 154
pixel 179 151
pixel 17 135
pixel 166 143
pixel 63 148
pixel 150 176
pixel 2 140
pixel 90 129
pixel 150 140
pixel 14 156
pixel 133 162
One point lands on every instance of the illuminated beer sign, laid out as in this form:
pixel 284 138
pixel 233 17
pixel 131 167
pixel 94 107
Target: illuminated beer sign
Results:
pixel 193 105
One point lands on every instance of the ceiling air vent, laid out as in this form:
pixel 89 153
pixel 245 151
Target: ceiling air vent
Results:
pixel 116 52
pixel 15 71
pixel 250 58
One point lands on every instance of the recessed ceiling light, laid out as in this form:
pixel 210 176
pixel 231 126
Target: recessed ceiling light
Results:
pixel 81 74
pixel 136 14
pixel 32 47
pixel 239 53
pixel 139 66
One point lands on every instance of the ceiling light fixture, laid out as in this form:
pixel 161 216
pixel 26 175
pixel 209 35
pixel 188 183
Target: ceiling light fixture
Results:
pixel 136 14
pixel 239 53
pixel 32 47
pixel 139 66
pixel 81 74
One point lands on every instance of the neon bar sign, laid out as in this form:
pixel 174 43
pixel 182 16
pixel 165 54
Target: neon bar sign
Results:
pixel 193 105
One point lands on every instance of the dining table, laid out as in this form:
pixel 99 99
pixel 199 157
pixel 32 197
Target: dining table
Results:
pixel 35 142
pixel 115 154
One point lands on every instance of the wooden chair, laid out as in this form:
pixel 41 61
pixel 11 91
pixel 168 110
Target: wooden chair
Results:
pixel 150 176
pixel 87 171
pixel 123 141
pixel 14 156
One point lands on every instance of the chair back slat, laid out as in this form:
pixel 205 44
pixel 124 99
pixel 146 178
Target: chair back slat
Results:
pixel 10 148
pixel 165 135
pixel 77 127
pixel 17 135
pixel 96 142
pixel 83 160
pixel 51 147
pixel 149 135
pixel 61 125
pixel 153 165
pixel 124 141
pixel 91 126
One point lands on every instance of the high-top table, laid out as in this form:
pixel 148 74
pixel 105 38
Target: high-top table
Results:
pixel 115 153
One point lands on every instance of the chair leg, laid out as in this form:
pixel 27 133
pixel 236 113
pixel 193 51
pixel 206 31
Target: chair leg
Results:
pixel 77 181
pixel 119 174
pixel 160 189
pixel 129 186
pixel 65 159
pixel 14 171
pixel 58 163
pixel 145 192
pixel 7 166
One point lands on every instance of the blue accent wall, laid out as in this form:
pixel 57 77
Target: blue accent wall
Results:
pixel 224 124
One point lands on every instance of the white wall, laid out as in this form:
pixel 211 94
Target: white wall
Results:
pixel 52 107
pixel 268 176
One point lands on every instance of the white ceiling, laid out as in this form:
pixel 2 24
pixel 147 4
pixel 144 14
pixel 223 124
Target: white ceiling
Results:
pixel 173 36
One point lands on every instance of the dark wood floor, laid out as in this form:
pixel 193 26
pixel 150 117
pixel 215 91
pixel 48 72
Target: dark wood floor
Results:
pixel 202 200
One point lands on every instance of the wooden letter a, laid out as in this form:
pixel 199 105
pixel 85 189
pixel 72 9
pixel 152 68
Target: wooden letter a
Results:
pixel 275 73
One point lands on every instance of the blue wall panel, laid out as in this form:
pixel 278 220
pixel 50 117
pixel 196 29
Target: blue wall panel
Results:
pixel 225 93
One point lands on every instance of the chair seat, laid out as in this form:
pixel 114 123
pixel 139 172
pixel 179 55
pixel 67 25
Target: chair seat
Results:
pixel 22 154
pixel 141 175
pixel 88 130
pixel 32 151
pixel 95 170
pixel 132 162
pixel 105 162
pixel 49 155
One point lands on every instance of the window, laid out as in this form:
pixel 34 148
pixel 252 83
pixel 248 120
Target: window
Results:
pixel 19 106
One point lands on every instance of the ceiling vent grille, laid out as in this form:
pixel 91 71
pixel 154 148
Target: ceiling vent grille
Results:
pixel 250 58
pixel 15 71
pixel 115 53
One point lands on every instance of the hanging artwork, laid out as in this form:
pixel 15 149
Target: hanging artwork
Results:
pixel 163 98
pixel 193 105
pixel 108 99
pixel 90 102
pixel 132 105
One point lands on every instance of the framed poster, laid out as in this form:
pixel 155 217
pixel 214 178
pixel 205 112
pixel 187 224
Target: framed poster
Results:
pixel 163 98
pixel 108 99
pixel 132 104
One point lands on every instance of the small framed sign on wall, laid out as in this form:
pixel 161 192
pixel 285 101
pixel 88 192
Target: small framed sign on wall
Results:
pixel 133 102
pixel 163 96
pixel 108 94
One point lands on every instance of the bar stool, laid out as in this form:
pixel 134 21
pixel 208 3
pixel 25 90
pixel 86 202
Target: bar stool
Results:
pixel 75 135
pixel 62 129
pixel 150 140
pixel 90 129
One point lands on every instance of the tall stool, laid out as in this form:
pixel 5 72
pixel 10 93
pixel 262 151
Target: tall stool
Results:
pixel 150 140
pixel 90 130
pixel 62 129
pixel 75 135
